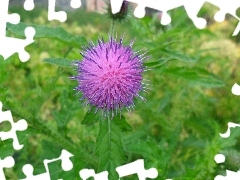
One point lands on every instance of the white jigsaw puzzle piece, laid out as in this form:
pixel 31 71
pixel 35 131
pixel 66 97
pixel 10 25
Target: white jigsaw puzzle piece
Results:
pixel 61 15
pixel 9 45
pixel 87 173
pixel 28 5
pixel 230 175
pixel 28 171
pixel 7 162
pixel 227 7
pixel 236 87
pixel 220 158
pixel 230 125
pixel 20 125
pixel 192 8
pixel 137 167
pixel 53 15
pixel 66 164
pixel 75 4
pixel 237 30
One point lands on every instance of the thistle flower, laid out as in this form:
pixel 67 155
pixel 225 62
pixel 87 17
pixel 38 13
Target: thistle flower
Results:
pixel 110 76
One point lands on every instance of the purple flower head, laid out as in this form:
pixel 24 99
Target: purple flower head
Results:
pixel 110 75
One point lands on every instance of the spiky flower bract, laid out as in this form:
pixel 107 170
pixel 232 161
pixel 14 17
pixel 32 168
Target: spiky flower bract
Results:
pixel 110 75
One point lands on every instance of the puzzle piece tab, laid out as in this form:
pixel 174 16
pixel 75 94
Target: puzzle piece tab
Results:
pixel 7 162
pixel 220 158
pixel 236 87
pixel 192 8
pixel 61 15
pixel 75 4
pixel 230 175
pixel 67 165
pixel 87 173
pixel 226 7
pixel 230 125
pixel 21 125
pixel 237 30
pixel 9 45
pixel 137 167
pixel 28 5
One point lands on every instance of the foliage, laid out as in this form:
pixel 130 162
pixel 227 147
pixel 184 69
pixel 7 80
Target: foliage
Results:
pixel 176 130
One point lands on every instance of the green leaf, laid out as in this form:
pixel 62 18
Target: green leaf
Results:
pixel 50 150
pixel 177 55
pixel 123 124
pixel 196 76
pixel 6 149
pixel 91 118
pixel 59 61
pixel 147 149
pixel 109 147
pixel 57 33
pixel 158 63
pixel 68 110
pixel 160 47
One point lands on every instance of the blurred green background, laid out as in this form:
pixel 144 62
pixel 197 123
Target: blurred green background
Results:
pixel 176 130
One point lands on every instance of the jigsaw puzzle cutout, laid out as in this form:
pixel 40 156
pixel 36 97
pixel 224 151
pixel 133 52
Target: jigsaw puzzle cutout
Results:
pixel 61 15
pixel 236 87
pixel 6 43
pixel 20 125
pixel 9 45
pixel 66 165
pixel 28 5
pixel 192 8
pixel 52 14
pixel 137 167
pixel 227 133
pixel 87 173
pixel 220 158
pixel 7 162
pixel 230 175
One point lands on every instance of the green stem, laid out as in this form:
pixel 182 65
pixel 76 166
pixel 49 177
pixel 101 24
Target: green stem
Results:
pixel 112 28
pixel 109 132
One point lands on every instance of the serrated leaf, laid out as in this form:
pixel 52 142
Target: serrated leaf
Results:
pixel 57 33
pixel 123 124
pixel 196 76
pixel 109 147
pixel 67 111
pixel 59 61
